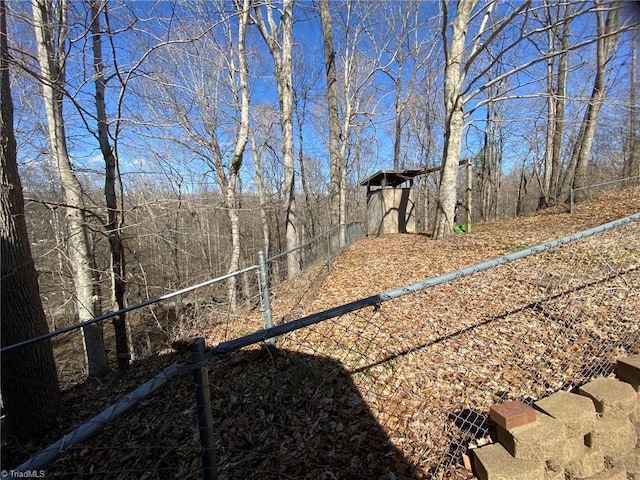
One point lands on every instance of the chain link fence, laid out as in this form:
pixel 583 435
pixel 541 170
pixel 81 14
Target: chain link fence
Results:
pixel 396 385
pixel 590 191
pixel 168 321
pixel 311 264
pixel 400 386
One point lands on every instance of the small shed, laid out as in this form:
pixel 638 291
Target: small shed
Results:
pixel 390 201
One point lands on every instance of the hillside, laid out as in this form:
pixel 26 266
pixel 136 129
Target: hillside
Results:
pixel 396 391
pixel 374 265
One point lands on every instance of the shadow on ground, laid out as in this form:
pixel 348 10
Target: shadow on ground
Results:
pixel 277 414
pixel 283 414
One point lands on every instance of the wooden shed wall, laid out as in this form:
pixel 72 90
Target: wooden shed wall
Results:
pixel 391 210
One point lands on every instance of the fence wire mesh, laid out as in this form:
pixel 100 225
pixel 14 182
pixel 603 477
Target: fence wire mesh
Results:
pixel 310 265
pixel 591 191
pixel 156 439
pixel 422 370
pixel 397 389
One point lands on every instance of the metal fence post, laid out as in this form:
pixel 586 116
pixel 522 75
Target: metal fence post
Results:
pixel 266 301
pixel 571 201
pixel 328 236
pixel 205 417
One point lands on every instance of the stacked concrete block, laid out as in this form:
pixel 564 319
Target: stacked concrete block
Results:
pixel 612 398
pixel 590 435
pixel 629 371
pixel 496 463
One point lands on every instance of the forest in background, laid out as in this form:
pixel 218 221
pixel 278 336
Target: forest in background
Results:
pixel 162 143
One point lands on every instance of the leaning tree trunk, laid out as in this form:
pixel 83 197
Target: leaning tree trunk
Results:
pixel 29 381
pixel 238 153
pixel 576 177
pixel 52 69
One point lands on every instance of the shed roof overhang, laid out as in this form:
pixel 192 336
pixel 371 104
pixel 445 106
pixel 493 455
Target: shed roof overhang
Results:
pixel 390 178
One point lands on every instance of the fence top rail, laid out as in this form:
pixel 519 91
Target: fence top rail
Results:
pixel 161 298
pixel 54 451
pixel 637 177
pixel 266 334
pixel 136 306
pixel 311 240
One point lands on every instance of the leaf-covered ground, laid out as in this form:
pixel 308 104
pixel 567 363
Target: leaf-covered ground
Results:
pixel 395 391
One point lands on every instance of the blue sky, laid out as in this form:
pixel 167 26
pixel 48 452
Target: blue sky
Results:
pixel 308 40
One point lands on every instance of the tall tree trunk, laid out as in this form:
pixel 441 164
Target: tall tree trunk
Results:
pixel 281 49
pixel 397 137
pixel 488 167
pixel 632 163
pixel 114 214
pixel 453 80
pixel 52 69
pixel 264 216
pixel 560 100
pixel 238 153
pixel 309 214
pixel 335 157
pixel 576 176
pixel 545 198
pixel 29 381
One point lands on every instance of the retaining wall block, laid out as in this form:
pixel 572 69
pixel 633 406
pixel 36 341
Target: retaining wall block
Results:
pixel 512 414
pixel 614 438
pixel 588 464
pixel 493 462
pixel 543 439
pixel 612 398
pixel 615 473
pixel 577 412
pixel 628 370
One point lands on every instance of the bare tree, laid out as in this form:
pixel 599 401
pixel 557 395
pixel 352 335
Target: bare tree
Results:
pixel 464 78
pixel 403 50
pixel 50 23
pixel 201 103
pixel 336 160
pixel 557 72
pixel 29 381
pixel 279 40
pixel 632 162
pixel 306 77
pixel 115 219
pixel 607 28
pixel 256 150
pixel 240 144
pixel 490 165
pixel 358 98
pixel 454 121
